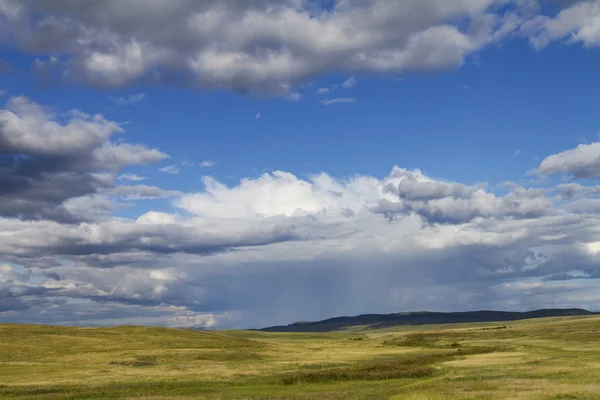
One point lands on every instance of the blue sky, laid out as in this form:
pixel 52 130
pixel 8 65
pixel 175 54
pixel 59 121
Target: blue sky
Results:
pixel 504 100
pixel 355 140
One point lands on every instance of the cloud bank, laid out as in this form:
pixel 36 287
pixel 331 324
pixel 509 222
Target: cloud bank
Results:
pixel 269 46
pixel 273 248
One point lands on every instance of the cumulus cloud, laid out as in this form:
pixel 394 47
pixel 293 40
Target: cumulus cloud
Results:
pixel 581 162
pixel 207 163
pixel 577 23
pixel 241 45
pixel 46 161
pixel 243 255
pixel 570 191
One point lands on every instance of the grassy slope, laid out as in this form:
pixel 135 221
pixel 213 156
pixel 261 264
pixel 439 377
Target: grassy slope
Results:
pixel 555 358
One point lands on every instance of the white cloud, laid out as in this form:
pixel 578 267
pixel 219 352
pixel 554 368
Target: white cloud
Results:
pixel 241 46
pixel 294 96
pixel 581 162
pixel 338 100
pixel 131 177
pixel 578 24
pixel 187 164
pixel 169 169
pixel 128 100
pixel 257 116
pixel 207 163
pixel 349 83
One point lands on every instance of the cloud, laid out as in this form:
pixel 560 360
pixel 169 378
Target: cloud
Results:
pixel 128 100
pixel 338 100
pixel 257 116
pixel 207 163
pixel 132 177
pixel 153 232
pixel 242 255
pixel 187 164
pixel 581 162
pixel 170 169
pixel 347 84
pixel 235 45
pixel 46 161
pixel 294 96
pixel 350 83
pixel 570 191
pixel 577 24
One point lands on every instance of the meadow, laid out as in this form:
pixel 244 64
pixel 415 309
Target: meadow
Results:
pixel 549 358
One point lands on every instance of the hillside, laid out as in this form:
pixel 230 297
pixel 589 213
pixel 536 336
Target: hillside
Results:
pixel 373 321
pixel 541 358
pixel 121 345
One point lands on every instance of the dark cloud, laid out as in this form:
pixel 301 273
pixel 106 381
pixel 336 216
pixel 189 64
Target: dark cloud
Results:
pixel 112 237
pixel 573 275
pixel 446 203
pixel 44 163
pixel 412 189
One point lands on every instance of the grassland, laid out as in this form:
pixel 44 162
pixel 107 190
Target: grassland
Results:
pixel 552 358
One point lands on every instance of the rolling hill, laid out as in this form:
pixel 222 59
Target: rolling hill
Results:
pixel 373 321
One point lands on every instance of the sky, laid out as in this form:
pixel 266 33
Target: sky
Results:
pixel 240 164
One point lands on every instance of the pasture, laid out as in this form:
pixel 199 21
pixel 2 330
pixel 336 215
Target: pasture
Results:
pixel 549 358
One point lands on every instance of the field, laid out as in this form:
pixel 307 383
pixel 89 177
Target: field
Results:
pixel 551 358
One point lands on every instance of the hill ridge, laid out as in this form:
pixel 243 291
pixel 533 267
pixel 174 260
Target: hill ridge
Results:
pixel 373 321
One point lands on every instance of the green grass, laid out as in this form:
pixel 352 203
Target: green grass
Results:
pixel 553 358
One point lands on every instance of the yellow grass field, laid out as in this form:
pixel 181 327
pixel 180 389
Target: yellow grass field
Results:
pixel 551 358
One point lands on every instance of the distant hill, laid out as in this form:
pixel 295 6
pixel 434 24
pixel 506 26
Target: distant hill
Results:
pixel 374 321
